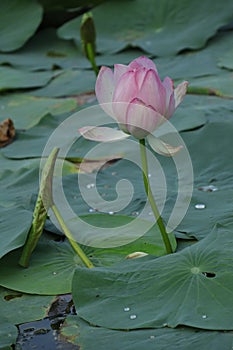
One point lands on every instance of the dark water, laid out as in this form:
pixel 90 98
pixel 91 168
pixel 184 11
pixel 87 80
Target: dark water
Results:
pixel 44 334
pixel 40 335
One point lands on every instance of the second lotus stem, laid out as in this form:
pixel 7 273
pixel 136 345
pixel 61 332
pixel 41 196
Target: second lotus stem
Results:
pixel 69 236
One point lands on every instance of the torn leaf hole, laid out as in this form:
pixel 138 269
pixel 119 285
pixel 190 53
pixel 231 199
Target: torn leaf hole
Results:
pixel 12 296
pixel 209 274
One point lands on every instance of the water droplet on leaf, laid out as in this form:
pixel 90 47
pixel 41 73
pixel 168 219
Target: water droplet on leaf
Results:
pixel 209 188
pixel 200 206
pixel 126 309
pixel 133 317
pixel 90 186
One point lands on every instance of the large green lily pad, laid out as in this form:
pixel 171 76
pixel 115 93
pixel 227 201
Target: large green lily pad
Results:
pixel 18 308
pixel 50 272
pixel 192 287
pixel 8 335
pixel 69 83
pixel 89 337
pixel 226 59
pixel 149 25
pixel 26 111
pixel 220 85
pixel 18 188
pixel 10 164
pixel 45 51
pixel 212 169
pixel 15 223
pixel 187 65
pixel 19 20
pixel 30 143
pixel 11 78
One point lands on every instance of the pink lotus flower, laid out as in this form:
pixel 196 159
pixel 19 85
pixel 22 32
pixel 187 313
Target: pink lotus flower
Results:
pixel 138 100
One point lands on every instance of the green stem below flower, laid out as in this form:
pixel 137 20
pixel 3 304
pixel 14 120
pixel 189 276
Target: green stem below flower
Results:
pixel 151 198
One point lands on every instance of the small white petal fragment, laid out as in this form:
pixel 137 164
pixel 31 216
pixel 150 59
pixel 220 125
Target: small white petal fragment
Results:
pixel 136 255
pixel 161 147
pixel 102 134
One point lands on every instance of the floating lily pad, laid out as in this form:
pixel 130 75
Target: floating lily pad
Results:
pixel 8 334
pixel 220 85
pixel 16 205
pixel 9 164
pixel 18 187
pixel 46 51
pixel 123 57
pixel 58 261
pixel 30 143
pixel 192 287
pixel 26 111
pixel 129 24
pixel 19 20
pixel 212 169
pixel 19 308
pixel 69 83
pixel 226 60
pixel 15 223
pixel 78 332
pixel 11 78
pixel 187 65
pixel 212 109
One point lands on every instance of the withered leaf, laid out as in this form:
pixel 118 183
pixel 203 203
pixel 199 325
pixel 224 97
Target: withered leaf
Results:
pixel 7 132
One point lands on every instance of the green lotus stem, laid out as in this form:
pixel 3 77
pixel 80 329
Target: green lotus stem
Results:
pixel 69 236
pixel 149 193
pixel 91 57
